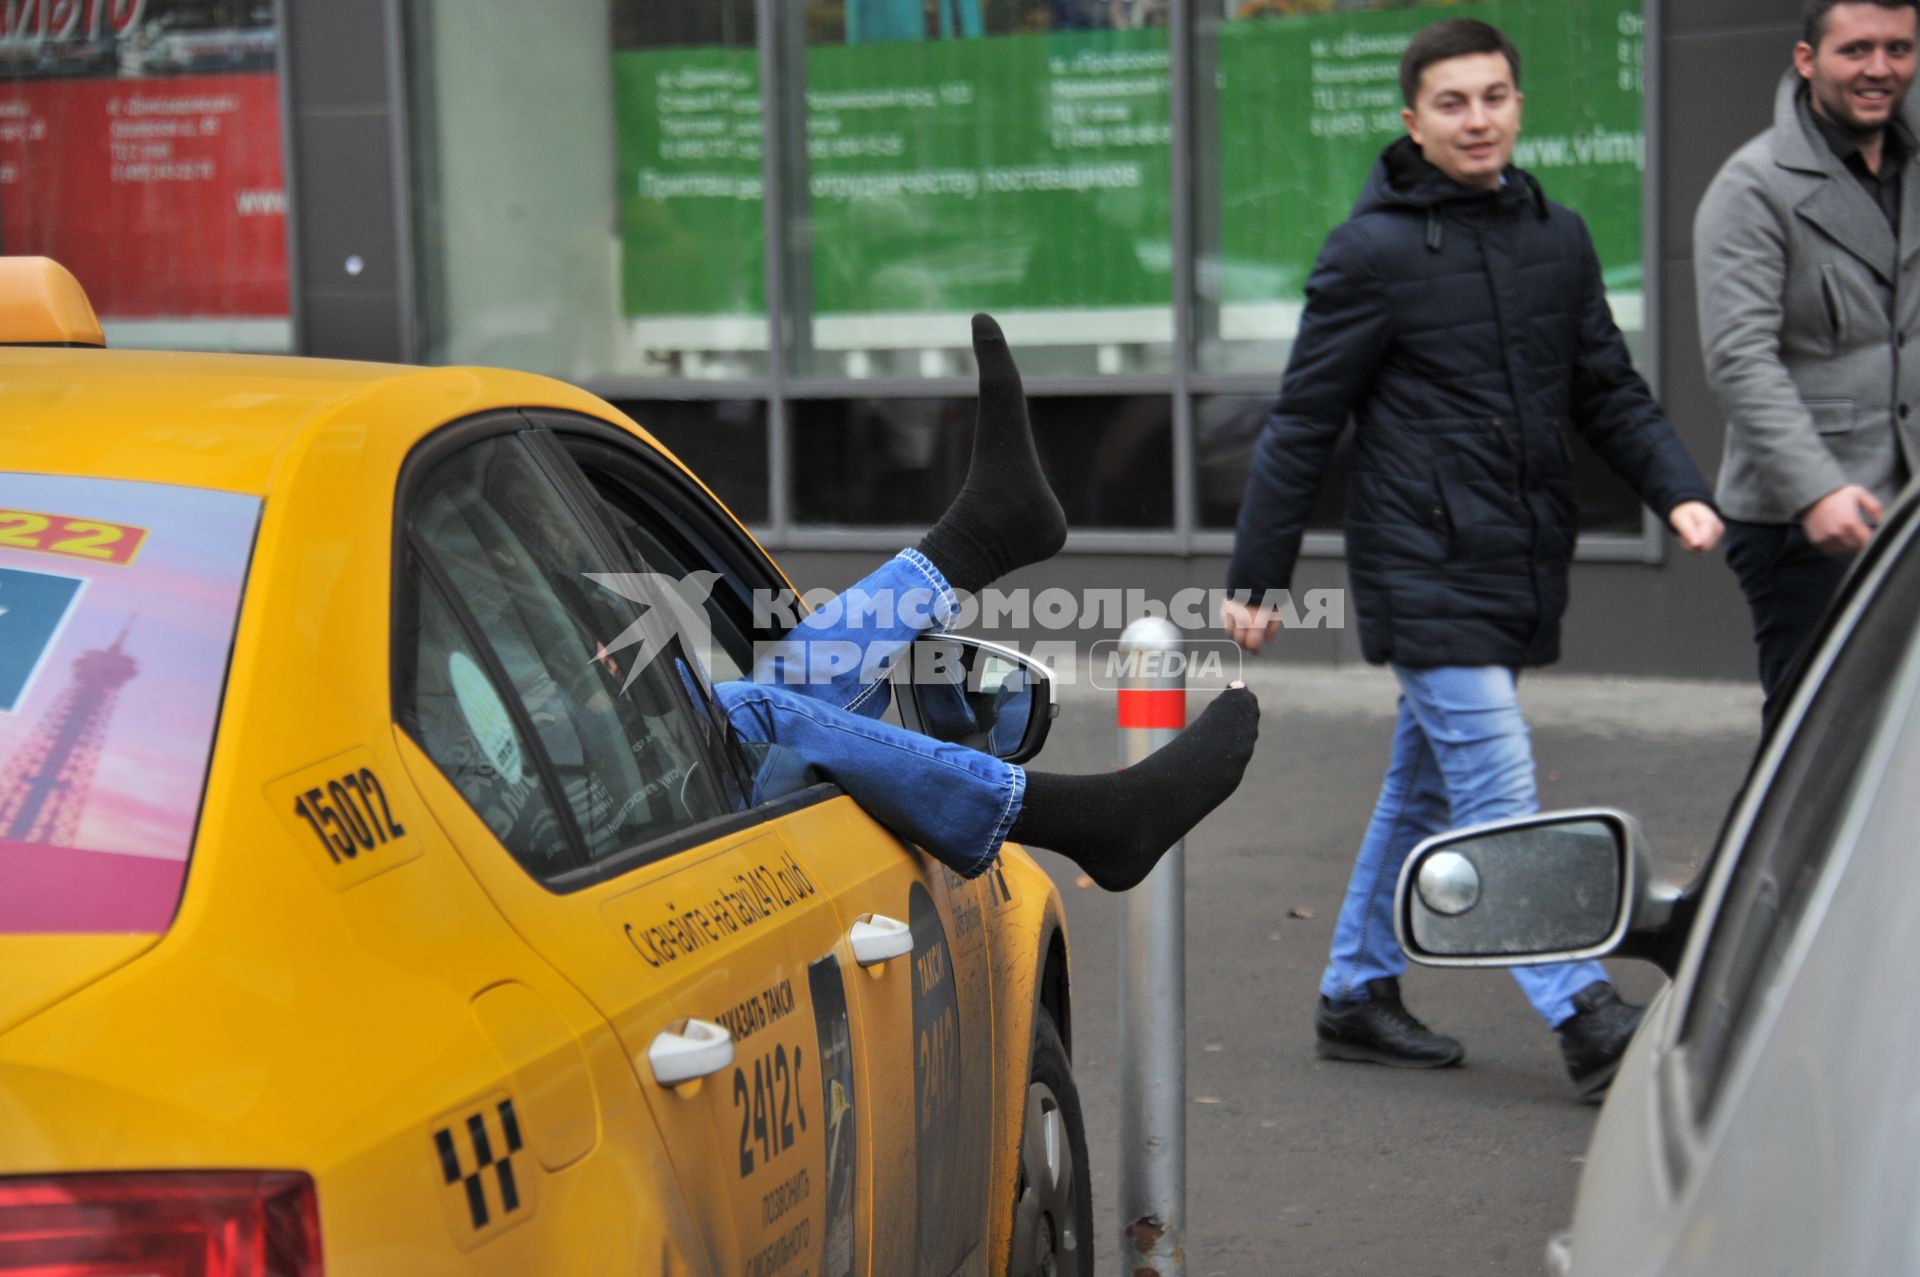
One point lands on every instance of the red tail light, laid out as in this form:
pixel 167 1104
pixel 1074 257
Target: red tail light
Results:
pixel 160 1224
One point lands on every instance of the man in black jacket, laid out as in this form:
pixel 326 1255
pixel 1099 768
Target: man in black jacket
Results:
pixel 1459 319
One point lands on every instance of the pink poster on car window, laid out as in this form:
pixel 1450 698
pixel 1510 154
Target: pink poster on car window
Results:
pixel 118 603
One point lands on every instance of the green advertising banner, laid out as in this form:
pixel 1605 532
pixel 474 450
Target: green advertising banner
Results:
pixel 1012 173
pixel 688 133
pixel 1307 103
pixel 1031 172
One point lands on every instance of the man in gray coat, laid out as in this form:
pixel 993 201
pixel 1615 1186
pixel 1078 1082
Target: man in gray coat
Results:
pixel 1807 258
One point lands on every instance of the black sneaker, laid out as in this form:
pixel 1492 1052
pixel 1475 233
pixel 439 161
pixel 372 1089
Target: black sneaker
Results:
pixel 1381 1031
pixel 1595 1036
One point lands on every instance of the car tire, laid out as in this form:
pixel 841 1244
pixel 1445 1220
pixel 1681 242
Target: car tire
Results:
pixel 1053 1193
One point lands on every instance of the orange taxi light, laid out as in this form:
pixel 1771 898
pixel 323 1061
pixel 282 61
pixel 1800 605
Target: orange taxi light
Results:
pixel 42 304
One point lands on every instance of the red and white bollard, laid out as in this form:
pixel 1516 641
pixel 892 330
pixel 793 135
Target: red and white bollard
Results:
pixel 1153 980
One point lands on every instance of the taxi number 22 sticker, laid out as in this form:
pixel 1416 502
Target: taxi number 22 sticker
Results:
pixel 88 539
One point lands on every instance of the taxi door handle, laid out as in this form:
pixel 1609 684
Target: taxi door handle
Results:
pixel 876 938
pixel 689 1049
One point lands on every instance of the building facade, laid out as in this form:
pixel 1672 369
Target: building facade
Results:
pixel 760 226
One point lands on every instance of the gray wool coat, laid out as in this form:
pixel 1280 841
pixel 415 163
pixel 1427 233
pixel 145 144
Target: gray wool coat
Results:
pixel 1808 307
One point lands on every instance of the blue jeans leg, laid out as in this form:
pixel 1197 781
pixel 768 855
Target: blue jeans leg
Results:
pixel 957 803
pixel 840 654
pixel 1470 716
pixel 1461 755
pixel 1412 806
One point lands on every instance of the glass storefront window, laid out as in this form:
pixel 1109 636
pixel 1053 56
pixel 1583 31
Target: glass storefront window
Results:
pixel 1226 430
pixel 592 204
pixel 898 462
pixel 687 120
pixel 1011 156
pixel 724 441
pixel 588 199
pixel 140 147
pixel 1305 94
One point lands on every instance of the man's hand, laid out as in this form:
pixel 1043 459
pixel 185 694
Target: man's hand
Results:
pixel 1248 626
pixel 1838 522
pixel 1697 526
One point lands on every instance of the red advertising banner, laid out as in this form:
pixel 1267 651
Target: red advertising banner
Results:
pixel 145 156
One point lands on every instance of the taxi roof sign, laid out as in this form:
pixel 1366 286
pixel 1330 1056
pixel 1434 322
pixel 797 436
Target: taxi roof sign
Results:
pixel 42 304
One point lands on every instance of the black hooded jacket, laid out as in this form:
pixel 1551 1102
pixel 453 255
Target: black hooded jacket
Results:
pixel 1465 333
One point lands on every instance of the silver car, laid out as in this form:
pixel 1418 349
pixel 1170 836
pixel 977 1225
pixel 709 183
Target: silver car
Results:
pixel 1766 1119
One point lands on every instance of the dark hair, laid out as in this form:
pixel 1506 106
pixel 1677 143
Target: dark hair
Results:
pixel 1455 38
pixel 1813 18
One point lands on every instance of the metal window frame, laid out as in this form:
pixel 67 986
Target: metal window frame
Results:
pixel 780 40
pixel 290 181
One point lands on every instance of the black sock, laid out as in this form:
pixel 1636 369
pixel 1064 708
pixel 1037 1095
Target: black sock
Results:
pixel 1117 826
pixel 1005 516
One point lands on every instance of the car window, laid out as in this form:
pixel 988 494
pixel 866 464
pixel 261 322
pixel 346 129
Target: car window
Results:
pixel 601 693
pixel 1796 830
pixel 677 531
pixel 724 644
pixel 462 722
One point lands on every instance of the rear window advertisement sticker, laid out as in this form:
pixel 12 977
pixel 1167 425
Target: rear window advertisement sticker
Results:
pixel 34 607
pixel 937 1093
pixel 115 640
pixel 837 1103
pixel 486 715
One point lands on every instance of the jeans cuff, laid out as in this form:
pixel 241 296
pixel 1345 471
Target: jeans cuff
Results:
pixel 1016 795
pixel 948 603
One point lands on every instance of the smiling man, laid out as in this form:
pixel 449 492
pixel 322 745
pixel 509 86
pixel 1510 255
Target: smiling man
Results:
pixel 1459 320
pixel 1803 250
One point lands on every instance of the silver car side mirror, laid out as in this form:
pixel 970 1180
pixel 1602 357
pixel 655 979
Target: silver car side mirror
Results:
pixel 1554 887
pixel 974 693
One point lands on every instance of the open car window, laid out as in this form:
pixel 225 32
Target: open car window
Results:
pixel 678 530
pixel 536 664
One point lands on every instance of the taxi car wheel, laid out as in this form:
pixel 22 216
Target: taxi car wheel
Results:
pixel 1053 1198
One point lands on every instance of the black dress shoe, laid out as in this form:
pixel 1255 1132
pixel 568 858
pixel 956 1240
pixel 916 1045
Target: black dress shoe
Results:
pixel 1381 1031
pixel 1595 1036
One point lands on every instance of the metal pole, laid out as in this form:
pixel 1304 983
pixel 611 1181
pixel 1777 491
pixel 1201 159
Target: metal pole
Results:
pixel 1153 982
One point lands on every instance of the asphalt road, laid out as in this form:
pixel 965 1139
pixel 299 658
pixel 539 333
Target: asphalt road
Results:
pixel 1300 1166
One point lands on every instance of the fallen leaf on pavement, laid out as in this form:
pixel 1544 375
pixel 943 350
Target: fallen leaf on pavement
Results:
pixel 1300 911
pixel 1083 882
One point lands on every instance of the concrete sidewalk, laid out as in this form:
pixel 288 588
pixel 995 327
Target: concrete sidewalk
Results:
pixel 1300 1166
pixel 1667 708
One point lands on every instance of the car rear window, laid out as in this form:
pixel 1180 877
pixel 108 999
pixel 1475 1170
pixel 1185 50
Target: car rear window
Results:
pixel 117 610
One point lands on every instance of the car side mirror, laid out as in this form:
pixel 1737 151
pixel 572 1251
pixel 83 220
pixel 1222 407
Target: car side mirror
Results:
pixel 1553 887
pixel 971 692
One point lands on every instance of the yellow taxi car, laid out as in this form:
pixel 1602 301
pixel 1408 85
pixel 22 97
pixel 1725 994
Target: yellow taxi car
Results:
pixel 332 942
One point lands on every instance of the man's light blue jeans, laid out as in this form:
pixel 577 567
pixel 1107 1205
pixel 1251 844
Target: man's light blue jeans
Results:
pixel 813 704
pixel 1461 755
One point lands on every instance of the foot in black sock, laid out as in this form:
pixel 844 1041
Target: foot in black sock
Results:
pixel 1005 516
pixel 1117 826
